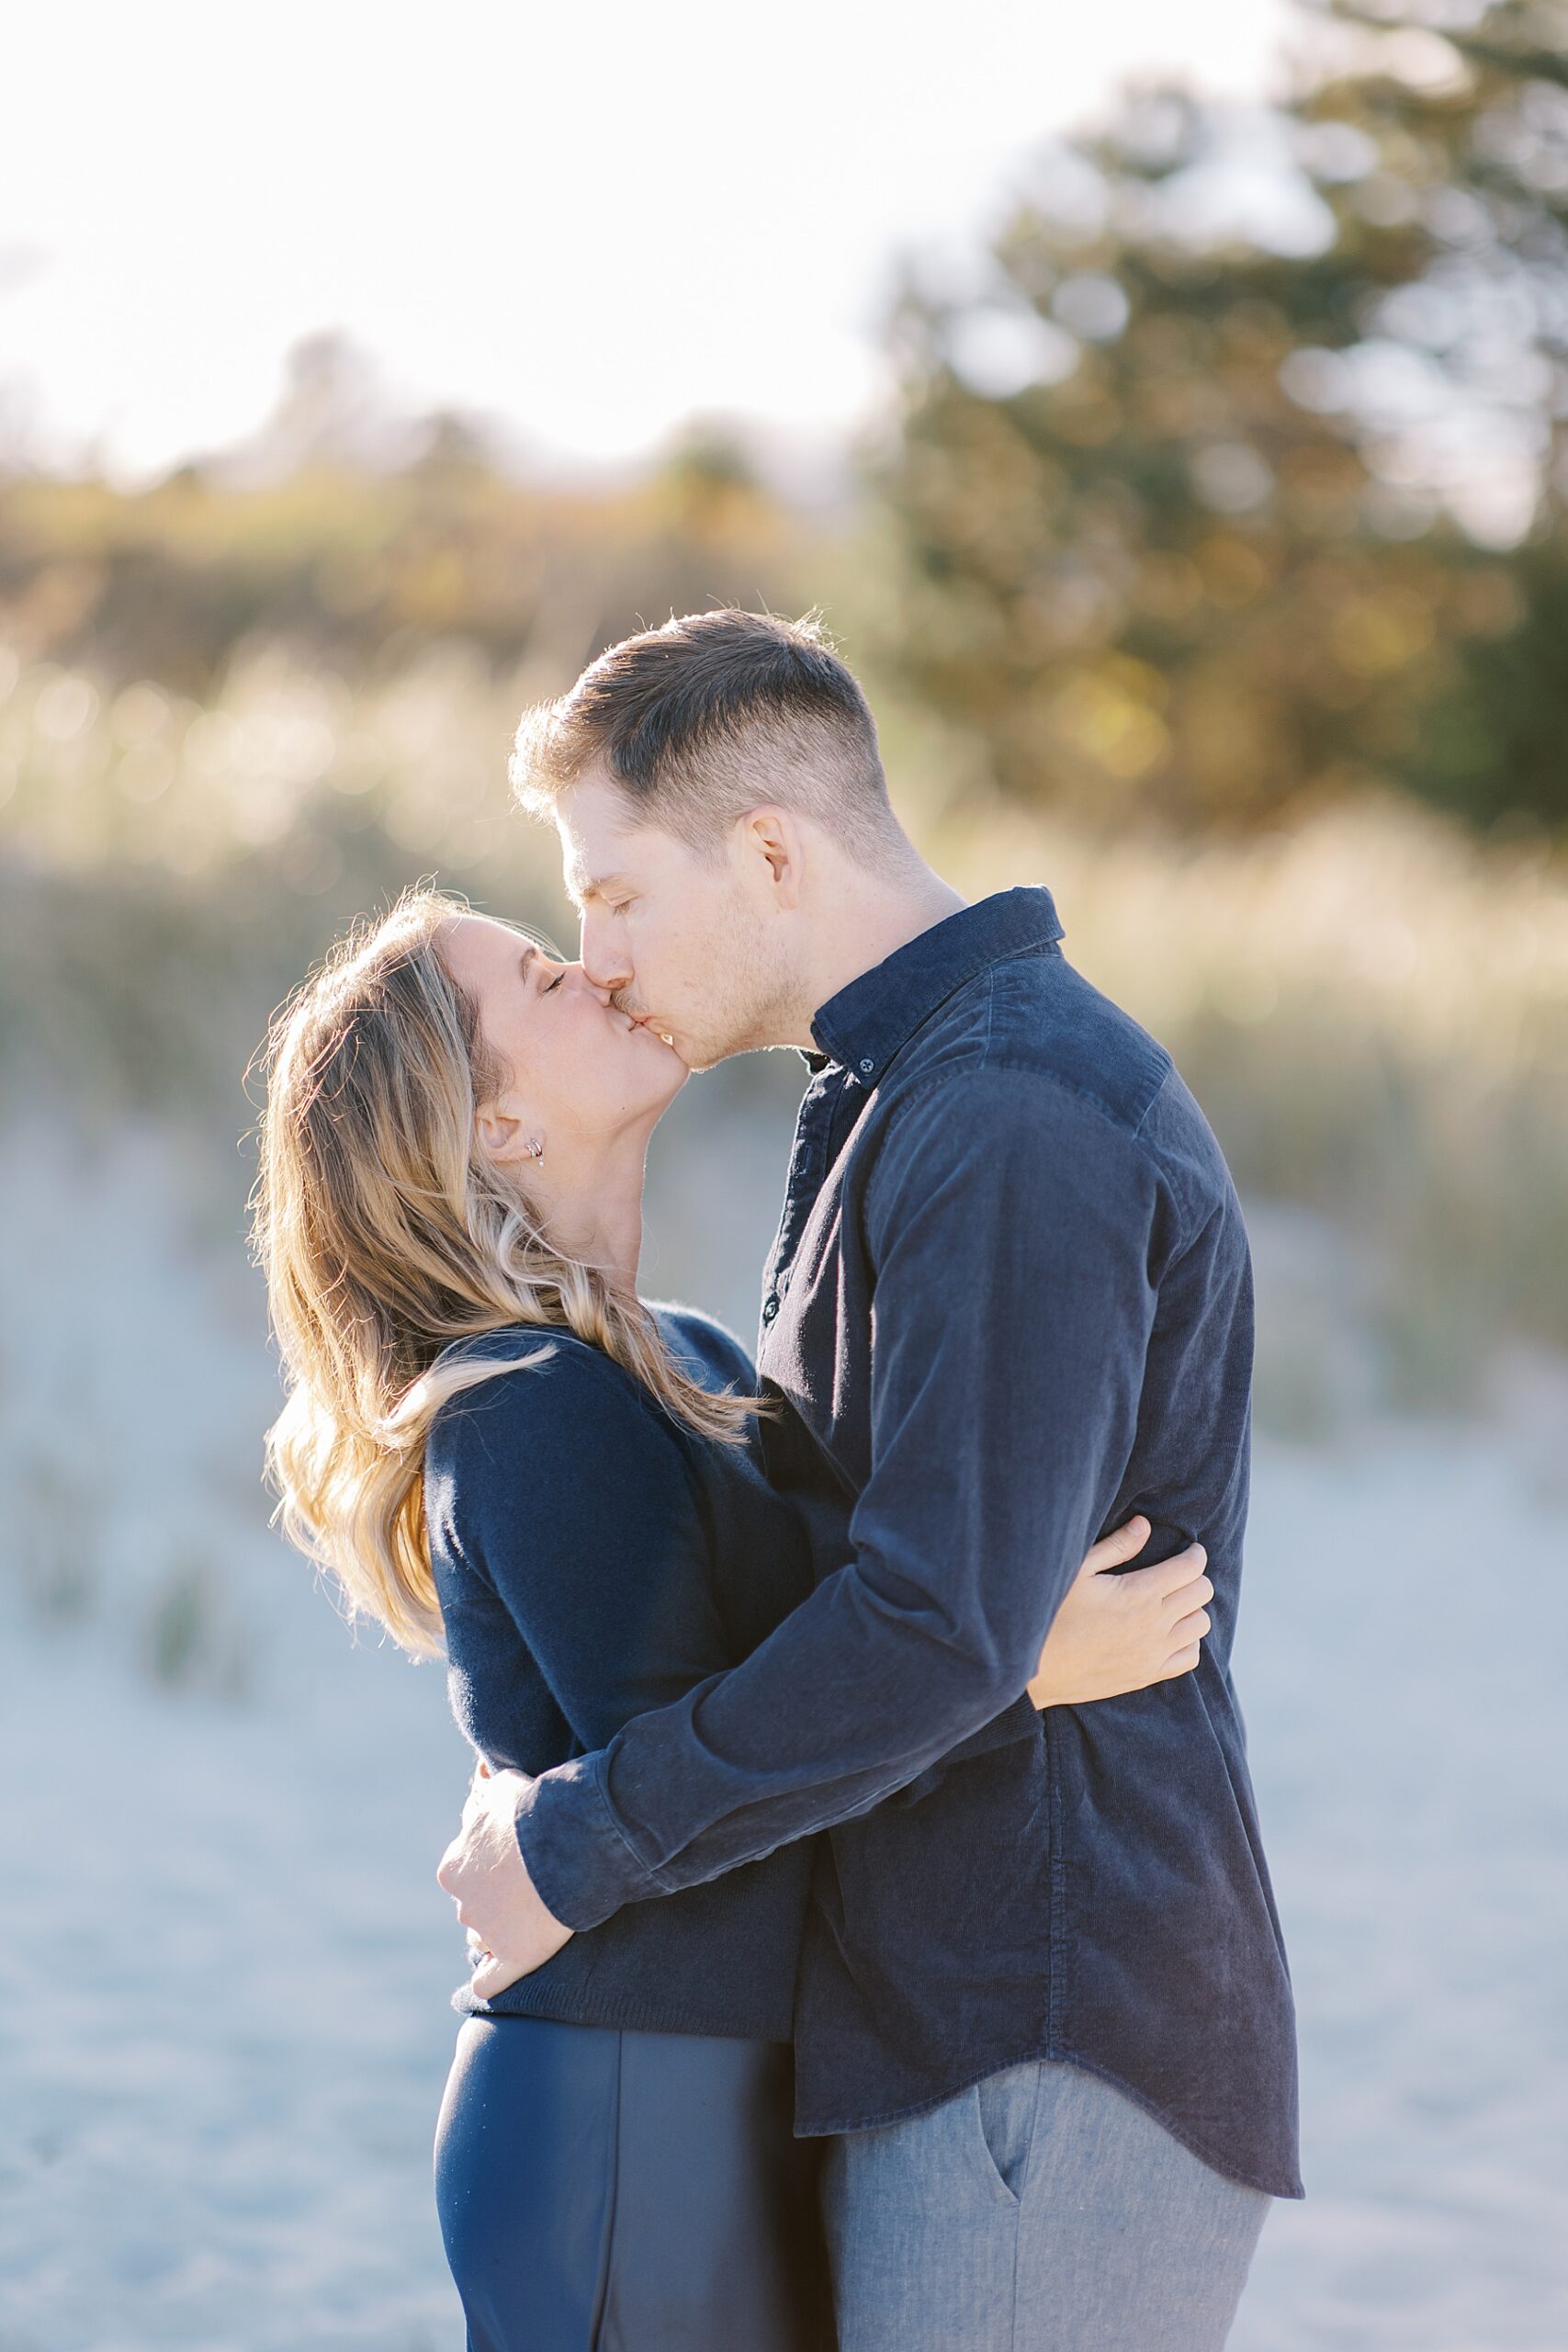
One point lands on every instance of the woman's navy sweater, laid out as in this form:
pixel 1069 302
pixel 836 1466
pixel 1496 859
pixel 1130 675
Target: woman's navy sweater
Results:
pixel 594 1559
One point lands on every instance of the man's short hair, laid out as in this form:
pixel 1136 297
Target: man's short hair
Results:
pixel 711 715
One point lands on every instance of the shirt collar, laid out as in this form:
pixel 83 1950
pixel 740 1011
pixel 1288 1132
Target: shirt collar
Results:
pixel 865 1024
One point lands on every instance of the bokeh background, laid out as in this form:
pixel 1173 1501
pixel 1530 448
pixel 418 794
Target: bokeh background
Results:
pixel 1168 419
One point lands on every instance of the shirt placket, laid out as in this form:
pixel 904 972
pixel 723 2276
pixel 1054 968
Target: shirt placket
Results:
pixel 810 1159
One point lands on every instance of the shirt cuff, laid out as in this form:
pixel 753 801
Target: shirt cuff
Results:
pixel 577 1855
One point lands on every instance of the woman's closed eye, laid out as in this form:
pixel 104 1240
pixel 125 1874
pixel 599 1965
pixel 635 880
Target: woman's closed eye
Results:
pixel 534 967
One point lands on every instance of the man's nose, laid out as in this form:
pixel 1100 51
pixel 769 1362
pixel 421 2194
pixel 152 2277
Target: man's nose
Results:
pixel 583 978
pixel 605 965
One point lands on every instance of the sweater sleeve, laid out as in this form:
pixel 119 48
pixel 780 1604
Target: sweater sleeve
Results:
pixel 565 1492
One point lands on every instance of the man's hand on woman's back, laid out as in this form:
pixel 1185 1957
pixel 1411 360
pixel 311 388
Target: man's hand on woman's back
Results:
pixel 511 1932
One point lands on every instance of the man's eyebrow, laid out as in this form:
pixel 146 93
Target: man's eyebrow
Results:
pixel 594 886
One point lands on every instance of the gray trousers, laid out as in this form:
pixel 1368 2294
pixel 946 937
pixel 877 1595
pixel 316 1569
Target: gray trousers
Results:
pixel 1038 2211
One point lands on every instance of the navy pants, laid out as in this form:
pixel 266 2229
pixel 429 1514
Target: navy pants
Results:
pixel 602 2190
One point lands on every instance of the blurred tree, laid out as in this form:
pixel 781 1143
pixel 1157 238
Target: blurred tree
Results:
pixel 331 413
pixel 358 534
pixel 1231 476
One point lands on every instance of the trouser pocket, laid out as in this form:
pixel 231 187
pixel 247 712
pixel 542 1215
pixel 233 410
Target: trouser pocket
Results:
pixel 1005 2105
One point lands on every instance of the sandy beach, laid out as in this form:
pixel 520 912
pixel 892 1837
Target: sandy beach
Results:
pixel 227 1963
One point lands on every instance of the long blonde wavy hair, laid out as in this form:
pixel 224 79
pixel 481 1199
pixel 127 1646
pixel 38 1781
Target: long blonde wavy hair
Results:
pixel 386 1234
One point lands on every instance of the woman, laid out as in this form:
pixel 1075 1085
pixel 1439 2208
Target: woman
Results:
pixel 499 1450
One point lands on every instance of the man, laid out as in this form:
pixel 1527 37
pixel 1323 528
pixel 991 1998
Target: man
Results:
pixel 1044 2013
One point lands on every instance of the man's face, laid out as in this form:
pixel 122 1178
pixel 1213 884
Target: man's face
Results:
pixel 680 938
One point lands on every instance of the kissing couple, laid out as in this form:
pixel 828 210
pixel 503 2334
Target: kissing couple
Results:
pixel 870 1939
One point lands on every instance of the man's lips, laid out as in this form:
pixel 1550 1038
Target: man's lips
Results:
pixel 648 1020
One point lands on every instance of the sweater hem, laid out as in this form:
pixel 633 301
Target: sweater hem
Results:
pixel 637 2017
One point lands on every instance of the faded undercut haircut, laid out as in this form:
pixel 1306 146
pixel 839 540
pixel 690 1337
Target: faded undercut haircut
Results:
pixel 709 715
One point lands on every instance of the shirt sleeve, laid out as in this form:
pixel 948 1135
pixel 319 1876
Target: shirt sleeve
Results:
pixel 1013 1230
pixel 559 1488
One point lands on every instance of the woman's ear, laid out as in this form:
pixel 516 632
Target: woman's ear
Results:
pixel 502 1133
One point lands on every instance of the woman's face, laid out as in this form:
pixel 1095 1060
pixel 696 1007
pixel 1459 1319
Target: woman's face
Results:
pixel 574 1070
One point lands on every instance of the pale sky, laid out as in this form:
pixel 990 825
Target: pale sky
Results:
pixel 589 220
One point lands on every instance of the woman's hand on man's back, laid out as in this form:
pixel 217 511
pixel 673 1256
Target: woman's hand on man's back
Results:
pixel 1114 1633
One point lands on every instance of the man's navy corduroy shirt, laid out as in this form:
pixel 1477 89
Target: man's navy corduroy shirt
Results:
pixel 1009 1304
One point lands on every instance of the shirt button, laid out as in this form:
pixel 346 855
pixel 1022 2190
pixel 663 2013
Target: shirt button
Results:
pixel 867 1069
pixel 770 1308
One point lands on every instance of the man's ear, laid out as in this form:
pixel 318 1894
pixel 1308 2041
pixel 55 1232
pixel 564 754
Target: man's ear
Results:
pixel 772 834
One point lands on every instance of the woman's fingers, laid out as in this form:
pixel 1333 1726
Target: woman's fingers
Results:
pixel 1119 1544
pixel 1165 1580
pixel 1182 1575
pixel 1182 1662
pixel 1181 1569
pixel 1186 1597
pixel 1190 1629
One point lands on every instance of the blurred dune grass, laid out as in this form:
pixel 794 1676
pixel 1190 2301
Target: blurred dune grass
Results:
pixel 1373 1012
pixel 1371 1005
pixel 1209 562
